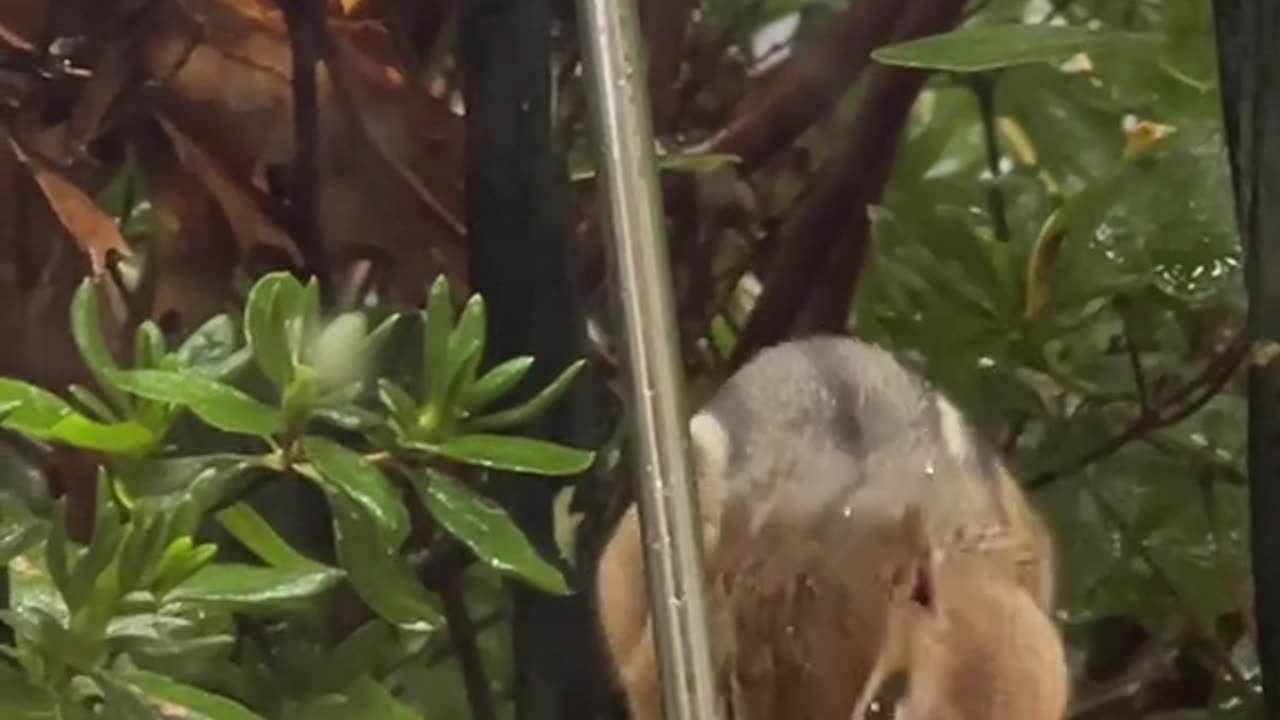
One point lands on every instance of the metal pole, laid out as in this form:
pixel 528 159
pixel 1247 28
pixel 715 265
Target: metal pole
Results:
pixel 627 179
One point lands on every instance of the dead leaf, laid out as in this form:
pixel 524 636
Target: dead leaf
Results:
pixel 93 229
pixel 249 222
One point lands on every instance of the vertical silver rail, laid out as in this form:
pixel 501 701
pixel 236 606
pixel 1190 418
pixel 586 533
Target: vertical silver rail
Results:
pixel 627 179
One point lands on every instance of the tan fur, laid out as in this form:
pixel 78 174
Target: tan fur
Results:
pixel 854 527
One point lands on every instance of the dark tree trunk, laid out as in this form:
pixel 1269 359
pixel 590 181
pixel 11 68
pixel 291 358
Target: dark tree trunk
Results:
pixel 521 261
pixel 1249 63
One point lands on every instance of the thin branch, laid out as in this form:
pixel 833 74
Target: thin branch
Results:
pixel 462 634
pixel 664 23
pixel 1221 654
pixel 1139 375
pixel 791 99
pixel 1182 404
pixel 832 209
pixel 983 86
pixel 448 220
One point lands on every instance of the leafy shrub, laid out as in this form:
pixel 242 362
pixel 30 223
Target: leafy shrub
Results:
pixel 186 600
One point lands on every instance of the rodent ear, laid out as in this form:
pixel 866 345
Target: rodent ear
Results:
pixel 917 582
pixel 710 444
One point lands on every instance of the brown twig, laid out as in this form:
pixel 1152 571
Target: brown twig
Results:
pixel 462 634
pixel 664 24
pixel 1183 403
pixel 788 101
pixel 852 178
pixel 984 89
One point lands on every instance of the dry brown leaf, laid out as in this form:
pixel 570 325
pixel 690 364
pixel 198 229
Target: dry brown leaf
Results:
pixel 93 229
pixel 250 224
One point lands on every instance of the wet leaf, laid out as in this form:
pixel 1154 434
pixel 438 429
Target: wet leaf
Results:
pixel 86 330
pixel 377 571
pixel 272 301
pixel 495 383
pixel 19 535
pixel 219 405
pixel 990 47
pixel 363 483
pixel 247 587
pixel 487 529
pixel 531 409
pixel 187 702
pixel 211 349
pixel 202 480
pixel 437 325
pixel 515 454
pixel 255 533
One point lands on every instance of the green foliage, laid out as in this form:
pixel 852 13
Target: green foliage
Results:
pixel 1107 310
pixel 138 620
pixel 1056 244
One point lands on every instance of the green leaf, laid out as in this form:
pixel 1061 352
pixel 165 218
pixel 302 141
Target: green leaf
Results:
pixel 495 383
pixel 470 329
pixel 254 532
pixel 358 653
pixel 696 163
pixel 92 403
pixel 166 636
pixel 107 533
pixel 211 346
pixel 219 405
pixel 397 402
pixel 361 481
pixel 21 699
pixel 532 408
pixel 463 362
pixel 487 530
pixel 377 571
pixel 247 587
pixel 122 438
pixel 195 704
pixel 143 546
pixel 148 345
pixel 377 337
pixel 466 346
pixel 57 555
pixel 437 324
pixel 363 698
pixel 204 481
pixel 990 47
pixel 274 299
pixel 181 560
pixel 124 702
pixel 86 330
pixel 38 410
pixel 515 454
pixel 20 535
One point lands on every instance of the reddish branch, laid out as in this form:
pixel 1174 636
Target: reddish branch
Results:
pixel 792 98
pixel 665 23
pixel 826 233
pixel 869 156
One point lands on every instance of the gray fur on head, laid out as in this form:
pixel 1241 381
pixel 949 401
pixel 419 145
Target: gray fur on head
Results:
pixel 801 427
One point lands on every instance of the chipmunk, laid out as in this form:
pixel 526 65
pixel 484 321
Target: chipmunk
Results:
pixel 867 555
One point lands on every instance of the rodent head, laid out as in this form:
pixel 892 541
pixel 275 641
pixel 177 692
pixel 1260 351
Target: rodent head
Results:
pixel 963 640
pixel 867 618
